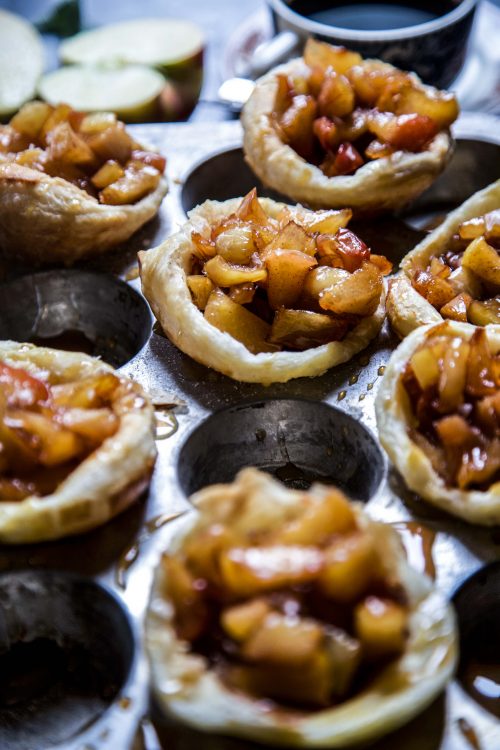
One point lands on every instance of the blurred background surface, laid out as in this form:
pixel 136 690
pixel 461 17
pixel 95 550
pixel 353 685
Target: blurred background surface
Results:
pixel 233 28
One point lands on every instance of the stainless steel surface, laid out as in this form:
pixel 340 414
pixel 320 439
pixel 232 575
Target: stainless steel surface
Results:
pixel 123 553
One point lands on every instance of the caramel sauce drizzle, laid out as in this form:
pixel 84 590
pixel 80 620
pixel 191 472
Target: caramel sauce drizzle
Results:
pixel 131 553
pixel 469 733
pixel 418 541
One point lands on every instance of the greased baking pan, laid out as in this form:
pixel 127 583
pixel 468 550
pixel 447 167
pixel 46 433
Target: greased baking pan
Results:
pixel 308 429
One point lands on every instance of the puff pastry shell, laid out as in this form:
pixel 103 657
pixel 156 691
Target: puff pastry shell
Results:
pixel 380 185
pixel 46 219
pixel 105 483
pixel 190 691
pixel 406 308
pixel 163 274
pixel 393 415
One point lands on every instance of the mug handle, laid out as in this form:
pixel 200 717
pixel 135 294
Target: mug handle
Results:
pixel 268 54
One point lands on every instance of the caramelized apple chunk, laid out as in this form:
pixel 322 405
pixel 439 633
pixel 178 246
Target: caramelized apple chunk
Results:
pixel 238 322
pixel 47 429
pixel 292 281
pixel 464 281
pixel 453 387
pixel 93 152
pixel 380 625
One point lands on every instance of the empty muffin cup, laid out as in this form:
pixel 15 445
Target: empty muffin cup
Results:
pixel 66 649
pixel 81 311
pixel 477 602
pixel 221 176
pixel 297 441
pixel 474 165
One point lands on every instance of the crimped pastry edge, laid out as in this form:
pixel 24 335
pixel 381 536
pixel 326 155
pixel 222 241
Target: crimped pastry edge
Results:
pixel 380 185
pixel 189 691
pixel 104 484
pixel 393 412
pixel 46 219
pixel 163 277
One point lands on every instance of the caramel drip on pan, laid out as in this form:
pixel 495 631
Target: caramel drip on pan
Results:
pixel 469 733
pixel 418 541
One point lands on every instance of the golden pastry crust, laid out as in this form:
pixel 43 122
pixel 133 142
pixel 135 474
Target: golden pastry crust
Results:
pixel 380 185
pixel 393 416
pixel 46 219
pixel 406 308
pixel 191 691
pixel 103 484
pixel 163 275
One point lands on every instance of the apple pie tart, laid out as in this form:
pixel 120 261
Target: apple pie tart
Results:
pixel 72 184
pixel 265 292
pixel 331 129
pixel 438 415
pixel 77 443
pixel 290 617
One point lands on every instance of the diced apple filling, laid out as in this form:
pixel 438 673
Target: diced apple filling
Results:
pixel 454 392
pixel 463 283
pixel 291 282
pixel 47 429
pixel 94 152
pixel 347 111
pixel 302 614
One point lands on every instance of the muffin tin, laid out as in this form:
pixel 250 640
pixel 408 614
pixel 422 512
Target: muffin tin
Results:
pixel 208 427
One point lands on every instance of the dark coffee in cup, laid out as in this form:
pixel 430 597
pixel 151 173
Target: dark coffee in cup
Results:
pixel 371 16
pixel 428 37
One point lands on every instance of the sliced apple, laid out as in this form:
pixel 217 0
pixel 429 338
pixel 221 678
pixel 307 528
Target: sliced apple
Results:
pixel 108 173
pixel 139 180
pixel 484 313
pixel 171 45
pixel 296 124
pixel 302 329
pixel 241 620
pixel 456 308
pixel 283 640
pixel 320 519
pixel 201 288
pixel 227 274
pixel 319 279
pixel 251 570
pixel 322 55
pixel 21 61
pixel 358 294
pixel 380 625
pixel 130 91
pixel 327 221
pixel 238 322
pixel 336 97
pixel 483 260
pixel 286 272
pixel 292 237
pixel 350 566
pixel 31 118
pixel 407 132
pixel 441 107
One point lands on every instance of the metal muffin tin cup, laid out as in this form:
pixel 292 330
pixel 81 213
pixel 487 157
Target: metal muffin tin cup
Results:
pixel 74 309
pixel 124 553
pixel 297 441
pixel 67 648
